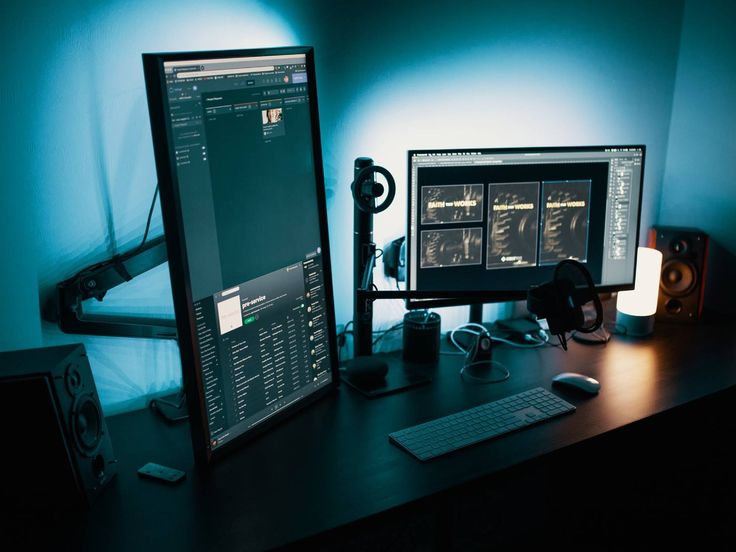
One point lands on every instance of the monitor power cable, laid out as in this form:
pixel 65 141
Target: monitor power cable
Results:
pixel 534 341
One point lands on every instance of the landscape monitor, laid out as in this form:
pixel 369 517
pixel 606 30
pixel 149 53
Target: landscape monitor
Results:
pixel 486 224
pixel 238 156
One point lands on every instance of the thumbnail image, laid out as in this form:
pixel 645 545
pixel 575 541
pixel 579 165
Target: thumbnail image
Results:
pixel 228 314
pixel 565 212
pixel 452 203
pixel 456 247
pixel 513 209
pixel 271 116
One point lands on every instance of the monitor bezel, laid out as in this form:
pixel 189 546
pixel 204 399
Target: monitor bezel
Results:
pixel 153 66
pixel 468 297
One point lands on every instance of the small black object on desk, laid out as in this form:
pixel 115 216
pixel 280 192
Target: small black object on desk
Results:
pixel 421 337
pixel 382 374
pixel 164 474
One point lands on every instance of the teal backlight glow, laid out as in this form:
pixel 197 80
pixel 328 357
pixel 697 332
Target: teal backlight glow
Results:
pixel 97 174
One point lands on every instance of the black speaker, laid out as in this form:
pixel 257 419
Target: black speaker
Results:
pixel 683 278
pixel 55 446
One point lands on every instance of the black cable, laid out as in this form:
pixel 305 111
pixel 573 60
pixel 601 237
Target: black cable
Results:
pixel 156 406
pixel 148 221
pixel 563 340
pixel 505 374
pixel 182 398
pixel 341 338
pixel 385 332
pixel 136 250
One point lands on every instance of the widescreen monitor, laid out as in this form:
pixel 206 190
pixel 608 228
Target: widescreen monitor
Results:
pixel 486 224
pixel 238 157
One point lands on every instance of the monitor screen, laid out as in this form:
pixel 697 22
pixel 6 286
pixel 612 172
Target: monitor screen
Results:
pixel 238 157
pixel 489 223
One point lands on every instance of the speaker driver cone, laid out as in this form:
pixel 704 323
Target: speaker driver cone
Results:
pixel 678 277
pixel 87 425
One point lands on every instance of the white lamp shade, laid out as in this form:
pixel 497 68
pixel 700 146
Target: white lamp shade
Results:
pixel 642 300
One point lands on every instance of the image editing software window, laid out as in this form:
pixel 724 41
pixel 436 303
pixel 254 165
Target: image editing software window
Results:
pixel 242 135
pixel 501 220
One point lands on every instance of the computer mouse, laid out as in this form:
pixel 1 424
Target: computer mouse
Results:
pixel 577 381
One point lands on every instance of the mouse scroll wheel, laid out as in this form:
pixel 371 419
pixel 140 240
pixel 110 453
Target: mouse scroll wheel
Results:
pixel 485 343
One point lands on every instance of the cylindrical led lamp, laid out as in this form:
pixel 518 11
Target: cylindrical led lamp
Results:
pixel 635 309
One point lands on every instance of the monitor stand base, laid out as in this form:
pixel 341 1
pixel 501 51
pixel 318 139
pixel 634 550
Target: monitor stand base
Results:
pixel 401 376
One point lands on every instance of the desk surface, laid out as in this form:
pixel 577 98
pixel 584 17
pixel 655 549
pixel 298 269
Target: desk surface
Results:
pixel 333 464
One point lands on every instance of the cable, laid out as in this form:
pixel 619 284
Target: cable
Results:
pixel 155 405
pixel 464 375
pixel 95 266
pixel 384 332
pixel 477 379
pixel 341 339
pixel 170 403
pixel 148 221
pixel 600 336
pixel 464 328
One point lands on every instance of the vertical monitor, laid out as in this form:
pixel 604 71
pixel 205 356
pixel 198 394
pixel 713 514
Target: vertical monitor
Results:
pixel 238 157
pixel 487 224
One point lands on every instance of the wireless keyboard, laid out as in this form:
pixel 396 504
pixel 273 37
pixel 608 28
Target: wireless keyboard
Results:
pixel 493 419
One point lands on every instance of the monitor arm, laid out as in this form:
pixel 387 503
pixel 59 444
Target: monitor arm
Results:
pixel 67 310
pixel 366 190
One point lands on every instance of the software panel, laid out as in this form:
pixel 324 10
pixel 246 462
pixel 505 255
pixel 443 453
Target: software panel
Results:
pixel 498 221
pixel 239 163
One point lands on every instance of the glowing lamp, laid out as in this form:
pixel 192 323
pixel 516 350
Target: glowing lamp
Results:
pixel 636 308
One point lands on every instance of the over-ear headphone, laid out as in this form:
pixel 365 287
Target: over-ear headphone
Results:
pixel 561 302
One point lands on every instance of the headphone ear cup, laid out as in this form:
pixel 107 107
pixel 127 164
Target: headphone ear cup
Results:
pixel 577 297
pixel 540 299
pixel 561 302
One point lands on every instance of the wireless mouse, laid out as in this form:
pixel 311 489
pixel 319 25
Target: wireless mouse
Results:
pixel 577 381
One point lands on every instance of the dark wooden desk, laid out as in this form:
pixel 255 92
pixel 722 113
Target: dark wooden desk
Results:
pixel 332 465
